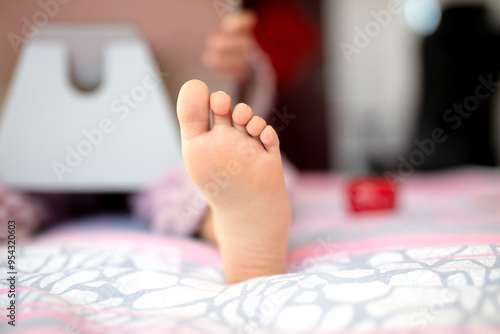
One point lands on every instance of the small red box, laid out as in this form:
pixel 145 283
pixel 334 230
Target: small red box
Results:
pixel 371 194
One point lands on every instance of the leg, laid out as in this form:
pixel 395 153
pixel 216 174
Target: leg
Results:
pixel 239 169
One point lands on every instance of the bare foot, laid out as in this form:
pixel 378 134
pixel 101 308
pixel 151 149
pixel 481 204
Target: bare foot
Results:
pixel 239 169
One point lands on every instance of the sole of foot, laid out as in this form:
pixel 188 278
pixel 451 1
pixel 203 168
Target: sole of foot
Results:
pixel 237 164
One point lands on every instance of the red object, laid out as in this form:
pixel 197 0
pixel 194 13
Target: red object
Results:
pixel 289 36
pixel 371 194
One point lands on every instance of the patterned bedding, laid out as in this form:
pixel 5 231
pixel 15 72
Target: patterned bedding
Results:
pixel 430 266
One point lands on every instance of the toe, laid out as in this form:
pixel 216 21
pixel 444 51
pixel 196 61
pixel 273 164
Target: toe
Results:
pixel 255 126
pixel 221 108
pixel 269 139
pixel 241 116
pixel 193 109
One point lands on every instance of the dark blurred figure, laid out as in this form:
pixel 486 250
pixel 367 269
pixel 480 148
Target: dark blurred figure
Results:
pixel 463 49
pixel 290 32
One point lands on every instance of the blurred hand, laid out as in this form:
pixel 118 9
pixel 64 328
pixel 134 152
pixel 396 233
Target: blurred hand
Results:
pixel 228 50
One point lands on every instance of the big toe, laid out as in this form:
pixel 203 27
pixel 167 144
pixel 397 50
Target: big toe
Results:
pixel 193 109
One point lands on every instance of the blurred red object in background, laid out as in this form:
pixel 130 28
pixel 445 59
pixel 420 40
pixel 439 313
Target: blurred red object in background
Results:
pixel 289 36
pixel 371 194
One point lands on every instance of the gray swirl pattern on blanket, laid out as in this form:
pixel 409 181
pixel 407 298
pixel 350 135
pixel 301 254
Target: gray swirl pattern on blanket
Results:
pixel 433 266
pixel 69 287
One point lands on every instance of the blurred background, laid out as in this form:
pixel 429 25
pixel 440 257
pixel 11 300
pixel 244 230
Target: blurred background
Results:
pixel 171 27
pixel 358 81
pixel 366 78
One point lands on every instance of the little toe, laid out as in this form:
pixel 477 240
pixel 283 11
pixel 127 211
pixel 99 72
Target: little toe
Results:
pixel 221 108
pixel 255 126
pixel 270 140
pixel 242 114
pixel 193 109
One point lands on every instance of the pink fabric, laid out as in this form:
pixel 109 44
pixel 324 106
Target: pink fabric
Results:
pixel 372 245
pixel 18 207
pixel 173 205
pixel 195 251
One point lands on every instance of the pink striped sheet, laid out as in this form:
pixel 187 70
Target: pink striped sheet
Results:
pixel 393 242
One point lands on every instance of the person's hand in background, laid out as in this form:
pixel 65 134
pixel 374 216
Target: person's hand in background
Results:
pixel 228 50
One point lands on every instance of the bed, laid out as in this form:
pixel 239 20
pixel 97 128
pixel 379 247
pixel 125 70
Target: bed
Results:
pixel 432 265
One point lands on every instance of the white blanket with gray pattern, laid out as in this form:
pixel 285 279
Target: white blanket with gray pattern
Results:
pixel 431 266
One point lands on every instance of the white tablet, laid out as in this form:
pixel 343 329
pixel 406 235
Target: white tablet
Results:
pixel 87 111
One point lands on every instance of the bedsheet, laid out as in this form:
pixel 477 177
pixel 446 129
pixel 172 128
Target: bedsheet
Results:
pixel 430 266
